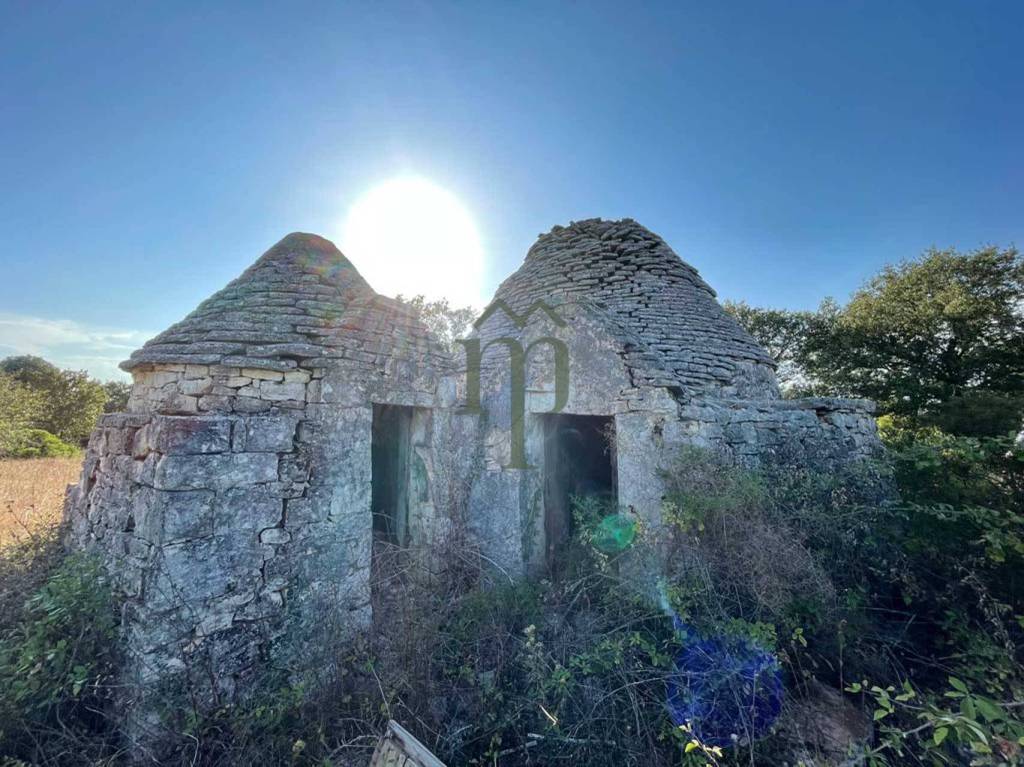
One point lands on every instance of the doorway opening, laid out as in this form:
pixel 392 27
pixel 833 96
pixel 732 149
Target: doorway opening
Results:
pixel 389 455
pixel 579 462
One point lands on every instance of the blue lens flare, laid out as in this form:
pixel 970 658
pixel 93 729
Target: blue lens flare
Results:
pixel 728 689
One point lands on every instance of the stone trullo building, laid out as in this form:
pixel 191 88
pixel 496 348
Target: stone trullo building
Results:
pixel 296 416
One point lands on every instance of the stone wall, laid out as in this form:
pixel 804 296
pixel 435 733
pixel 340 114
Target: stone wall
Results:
pixel 232 505
pixel 206 506
pixel 821 434
pixel 654 418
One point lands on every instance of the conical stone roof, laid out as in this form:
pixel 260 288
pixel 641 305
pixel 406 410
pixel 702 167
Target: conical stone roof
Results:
pixel 653 295
pixel 302 301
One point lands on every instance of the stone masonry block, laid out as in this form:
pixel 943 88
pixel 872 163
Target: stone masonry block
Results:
pixel 186 514
pixel 266 434
pixel 262 375
pixel 185 435
pixel 247 508
pixel 218 472
pixel 283 391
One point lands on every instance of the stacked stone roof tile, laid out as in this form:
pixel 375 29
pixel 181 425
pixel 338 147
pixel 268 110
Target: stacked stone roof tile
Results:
pixel 303 303
pixel 650 292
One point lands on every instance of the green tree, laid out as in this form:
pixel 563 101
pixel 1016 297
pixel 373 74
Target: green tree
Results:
pixel 938 335
pixel 444 320
pixel 19 405
pixel 117 396
pixel 70 401
pixel 34 372
pixel 783 334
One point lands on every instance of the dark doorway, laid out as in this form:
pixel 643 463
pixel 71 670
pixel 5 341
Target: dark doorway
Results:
pixel 389 452
pixel 579 461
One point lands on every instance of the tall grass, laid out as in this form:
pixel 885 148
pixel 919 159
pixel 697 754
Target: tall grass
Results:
pixel 32 495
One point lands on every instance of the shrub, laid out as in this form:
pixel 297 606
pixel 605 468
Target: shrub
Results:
pixel 37 443
pixel 69 401
pixel 56 668
pixel 18 406
pixel 485 669
pixel 734 557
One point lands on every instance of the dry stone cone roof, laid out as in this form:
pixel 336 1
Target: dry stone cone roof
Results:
pixel 652 295
pixel 302 301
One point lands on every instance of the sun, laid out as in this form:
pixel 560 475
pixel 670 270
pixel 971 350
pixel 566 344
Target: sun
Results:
pixel 409 236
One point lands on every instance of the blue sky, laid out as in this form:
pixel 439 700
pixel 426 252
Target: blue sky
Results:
pixel 150 151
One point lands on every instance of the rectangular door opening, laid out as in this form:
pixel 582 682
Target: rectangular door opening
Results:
pixel 389 455
pixel 579 461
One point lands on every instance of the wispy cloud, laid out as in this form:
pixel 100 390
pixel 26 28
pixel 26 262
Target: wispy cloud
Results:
pixel 70 344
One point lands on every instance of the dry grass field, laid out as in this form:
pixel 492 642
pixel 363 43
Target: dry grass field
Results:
pixel 32 494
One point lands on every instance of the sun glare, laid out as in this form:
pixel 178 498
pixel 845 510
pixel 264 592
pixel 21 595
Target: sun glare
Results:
pixel 410 236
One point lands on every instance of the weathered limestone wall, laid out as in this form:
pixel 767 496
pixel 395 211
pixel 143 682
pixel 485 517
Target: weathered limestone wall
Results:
pixel 610 375
pixel 232 501
pixel 824 434
pixel 232 504
pixel 507 503
pixel 217 528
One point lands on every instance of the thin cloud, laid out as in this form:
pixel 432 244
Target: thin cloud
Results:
pixel 70 344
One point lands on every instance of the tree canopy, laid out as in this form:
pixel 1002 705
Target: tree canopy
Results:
pixel 939 338
pixel 782 333
pixel 67 403
pixel 927 331
pixel 18 405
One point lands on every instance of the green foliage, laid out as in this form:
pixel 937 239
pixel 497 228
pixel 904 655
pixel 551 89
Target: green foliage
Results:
pixel 57 663
pixel 277 720
pixel 952 605
pixel 934 466
pixel 925 588
pixel 942 729
pixel 117 396
pixel 19 404
pixel 927 331
pixel 36 443
pixel 704 485
pixel 939 338
pixel 572 670
pixel 929 587
pixel 731 555
pixel 516 673
pixel 34 372
pixel 68 402
pixel 445 321
pixel 977 414
pixel 964 508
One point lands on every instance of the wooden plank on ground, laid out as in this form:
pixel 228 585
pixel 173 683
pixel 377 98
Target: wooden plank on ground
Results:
pixel 398 748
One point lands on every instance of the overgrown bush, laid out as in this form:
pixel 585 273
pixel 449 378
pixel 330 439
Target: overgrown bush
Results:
pixel 733 556
pixel 912 608
pixel 37 443
pixel 484 669
pixel 58 656
pixel 488 670
pixel 948 619
pixel 18 406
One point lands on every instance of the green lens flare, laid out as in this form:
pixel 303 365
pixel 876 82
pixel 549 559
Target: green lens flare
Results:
pixel 614 534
